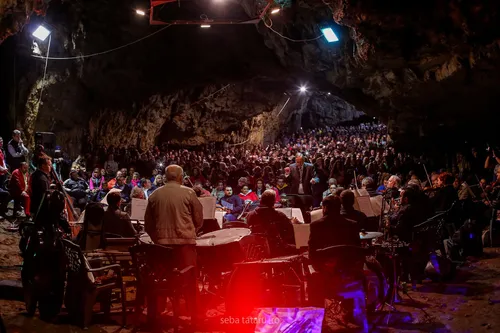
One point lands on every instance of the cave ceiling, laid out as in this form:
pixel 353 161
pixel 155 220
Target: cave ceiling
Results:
pixel 418 65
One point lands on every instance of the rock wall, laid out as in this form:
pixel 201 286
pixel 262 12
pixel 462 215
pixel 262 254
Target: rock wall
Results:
pixel 426 67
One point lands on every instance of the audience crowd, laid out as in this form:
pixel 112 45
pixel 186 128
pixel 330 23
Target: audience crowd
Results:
pixel 334 158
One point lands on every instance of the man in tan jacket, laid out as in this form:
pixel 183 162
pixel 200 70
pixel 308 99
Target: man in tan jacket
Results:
pixel 172 217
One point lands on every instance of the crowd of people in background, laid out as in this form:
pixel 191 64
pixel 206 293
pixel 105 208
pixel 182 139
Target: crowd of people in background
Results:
pixel 318 163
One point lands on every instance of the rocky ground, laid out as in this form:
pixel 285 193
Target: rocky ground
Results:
pixel 470 303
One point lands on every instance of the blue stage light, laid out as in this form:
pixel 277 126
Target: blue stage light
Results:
pixel 330 35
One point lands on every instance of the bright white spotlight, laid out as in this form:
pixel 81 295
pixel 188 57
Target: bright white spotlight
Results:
pixel 329 94
pixel 330 35
pixel 275 10
pixel 302 89
pixel 205 26
pixel 41 33
pixel 140 12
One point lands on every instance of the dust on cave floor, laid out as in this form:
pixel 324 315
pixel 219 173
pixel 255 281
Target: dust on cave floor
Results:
pixel 470 303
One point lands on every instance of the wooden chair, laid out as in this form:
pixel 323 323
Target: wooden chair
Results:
pixel 87 285
pixel 157 276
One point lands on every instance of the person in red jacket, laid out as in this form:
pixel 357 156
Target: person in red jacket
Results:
pixel 247 195
pixel 18 187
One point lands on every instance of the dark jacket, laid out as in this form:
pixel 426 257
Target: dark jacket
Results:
pixel 236 202
pixel 354 215
pixel 330 231
pixel 277 228
pixel 125 191
pixel 308 174
pixel 75 188
pixel 444 198
pixel 118 222
pixel 15 162
pixel 39 183
pixel 404 220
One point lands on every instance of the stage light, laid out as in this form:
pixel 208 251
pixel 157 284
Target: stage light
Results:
pixel 140 12
pixel 330 35
pixel 302 89
pixel 329 94
pixel 41 33
pixel 275 11
pixel 204 26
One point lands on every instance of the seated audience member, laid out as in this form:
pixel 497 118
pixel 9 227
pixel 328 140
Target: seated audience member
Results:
pixel 275 225
pixel 232 204
pixel 115 221
pixel 328 192
pixel 277 198
pixel 136 179
pixel 197 177
pixel 259 187
pixel 247 195
pixel 158 181
pixel 102 192
pixel 282 187
pixel 347 198
pixel 76 188
pixel 96 181
pixel 18 188
pixel 218 192
pixel 381 189
pixel 198 187
pixel 147 187
pixel 124 188
pixel 331 190
pixel 112 182
pixel 369 185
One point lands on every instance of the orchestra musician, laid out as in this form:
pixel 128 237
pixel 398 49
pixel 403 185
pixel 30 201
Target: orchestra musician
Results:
pixel 274 224
pixel 446 194
pixel 39 183
pixel 331 230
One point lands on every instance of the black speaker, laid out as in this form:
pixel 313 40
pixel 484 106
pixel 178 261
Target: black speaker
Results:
pixel 47 140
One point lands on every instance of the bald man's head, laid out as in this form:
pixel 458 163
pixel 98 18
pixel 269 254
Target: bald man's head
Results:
pixel 174 173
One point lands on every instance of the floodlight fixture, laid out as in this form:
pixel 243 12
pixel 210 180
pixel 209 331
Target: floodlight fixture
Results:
pixel 275 10
pixel 303 89
pixel 330 35
pixel 41 33
pixel 205 26
pixel 140 12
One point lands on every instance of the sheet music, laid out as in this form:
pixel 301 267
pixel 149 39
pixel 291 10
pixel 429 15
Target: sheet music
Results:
pixel 227 205
pixel 138 209
pixel 316 214
pixel 376 204
pixel 208 204
pixel 302 232
pixel 286 211
pixel 365 206
pixel 105 199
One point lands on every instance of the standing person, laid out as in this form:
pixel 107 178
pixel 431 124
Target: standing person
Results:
pixel 39 183
pixel 173 216
pixel 16 151
pixel 302 176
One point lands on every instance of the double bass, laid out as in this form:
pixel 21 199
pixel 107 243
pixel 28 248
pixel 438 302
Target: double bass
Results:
pixel 70 211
